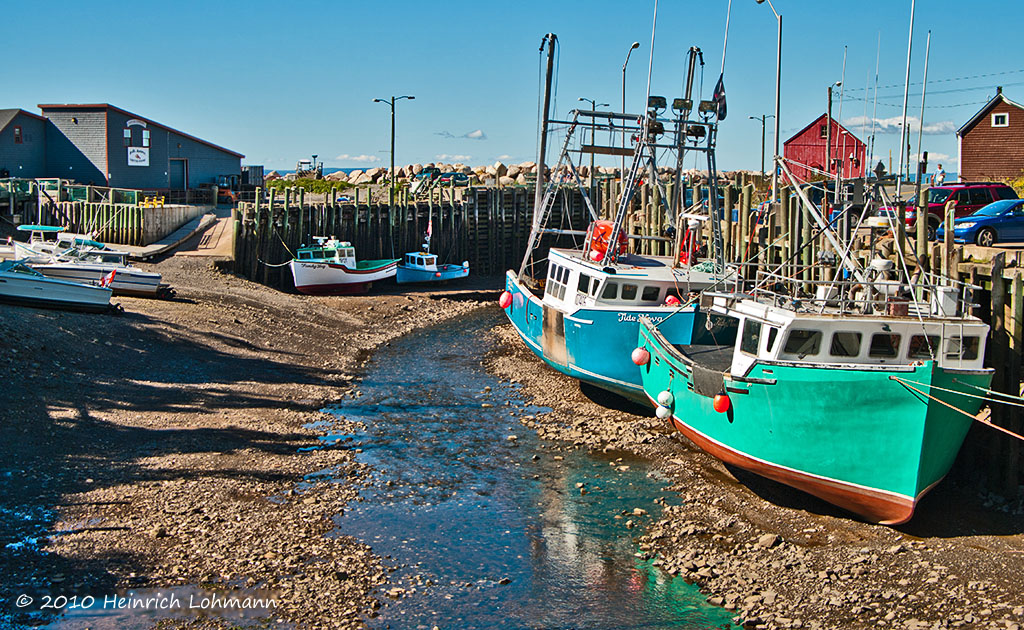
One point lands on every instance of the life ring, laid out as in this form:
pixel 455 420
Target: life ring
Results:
pixel 597 239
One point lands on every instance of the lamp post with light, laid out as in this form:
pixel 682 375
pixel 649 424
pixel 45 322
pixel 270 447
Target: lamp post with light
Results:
pixel 762 118
pixel 622 158
pixel 391 174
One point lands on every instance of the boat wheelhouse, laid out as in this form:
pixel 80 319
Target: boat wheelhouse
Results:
pixel 330 268
pixel 423 267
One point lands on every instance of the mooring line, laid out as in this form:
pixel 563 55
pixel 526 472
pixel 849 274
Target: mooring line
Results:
pixel 959 393
pixel 955 408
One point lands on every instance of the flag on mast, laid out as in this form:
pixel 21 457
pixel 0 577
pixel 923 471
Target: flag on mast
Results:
pixel 108 279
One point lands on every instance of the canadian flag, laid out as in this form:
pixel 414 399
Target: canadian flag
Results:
pixel 107 279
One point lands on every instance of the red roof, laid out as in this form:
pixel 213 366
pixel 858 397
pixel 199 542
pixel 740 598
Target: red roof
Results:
pixel 131 115
pixel 819 120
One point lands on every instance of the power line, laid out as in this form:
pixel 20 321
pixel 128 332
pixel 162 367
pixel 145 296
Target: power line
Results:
pixel 946 80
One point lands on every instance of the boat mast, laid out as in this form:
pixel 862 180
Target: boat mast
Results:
pixel 538 194
pixel 904 136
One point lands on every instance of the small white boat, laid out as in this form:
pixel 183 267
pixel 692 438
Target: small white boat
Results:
pixel 20 284
pixel 330 268
pixel 77 258
pixel 423 267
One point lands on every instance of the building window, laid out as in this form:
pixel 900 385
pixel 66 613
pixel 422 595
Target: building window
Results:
pixel 823 131
pixel 145 137
pixel 128 136
pixel 17 135
pixel 1000 120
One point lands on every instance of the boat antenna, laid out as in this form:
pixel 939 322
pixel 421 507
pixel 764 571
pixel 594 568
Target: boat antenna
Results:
pixel 924 90
pixel 538 193
pixel 650 67
pixel 725 41
pixel 874 108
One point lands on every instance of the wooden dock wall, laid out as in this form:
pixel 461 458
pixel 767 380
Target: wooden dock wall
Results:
pixel 489 227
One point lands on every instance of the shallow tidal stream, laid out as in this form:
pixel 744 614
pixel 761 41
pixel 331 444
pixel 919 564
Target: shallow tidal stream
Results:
pixel 493 531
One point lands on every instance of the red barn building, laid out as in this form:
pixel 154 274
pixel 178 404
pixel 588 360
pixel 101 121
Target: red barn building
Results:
pixel 991 144
pixel 807 148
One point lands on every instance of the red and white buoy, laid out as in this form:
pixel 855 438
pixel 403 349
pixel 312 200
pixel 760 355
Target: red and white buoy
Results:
pixel 505 300
pixel 672 301
pixel 640 356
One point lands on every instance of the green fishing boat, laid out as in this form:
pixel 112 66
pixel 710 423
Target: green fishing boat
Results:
pixel 858 391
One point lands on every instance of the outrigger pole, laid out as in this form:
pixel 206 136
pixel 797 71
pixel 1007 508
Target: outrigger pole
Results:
pixel 538 194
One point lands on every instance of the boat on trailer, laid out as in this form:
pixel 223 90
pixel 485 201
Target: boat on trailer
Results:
pixel 20 284
pixel 579 309
pixel 860 391
pixel 330 268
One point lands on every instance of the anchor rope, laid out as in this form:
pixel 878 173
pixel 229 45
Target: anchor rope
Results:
pixel 987 423
pixel 992 391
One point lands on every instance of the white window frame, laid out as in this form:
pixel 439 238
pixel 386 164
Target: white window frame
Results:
pixel 1006 119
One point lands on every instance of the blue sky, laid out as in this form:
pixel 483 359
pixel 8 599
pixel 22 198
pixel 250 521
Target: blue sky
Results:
pixel 280 81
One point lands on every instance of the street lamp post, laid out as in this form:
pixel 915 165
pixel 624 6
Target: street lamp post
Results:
pixel 622 158
pixel 593 131
pixel 778 86
pixel 762 118
pixel 391 173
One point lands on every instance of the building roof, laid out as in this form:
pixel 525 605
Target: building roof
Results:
pixel 998 98
pixel 815 122
pixel 7 115
pixel 108 106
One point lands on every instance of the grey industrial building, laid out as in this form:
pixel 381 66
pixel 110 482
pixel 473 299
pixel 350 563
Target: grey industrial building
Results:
pixel 107 146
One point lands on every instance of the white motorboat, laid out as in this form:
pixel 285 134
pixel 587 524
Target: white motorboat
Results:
pixel 20 284
pixel 77 258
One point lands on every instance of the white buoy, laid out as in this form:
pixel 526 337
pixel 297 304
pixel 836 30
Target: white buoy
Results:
pixel 663 412
pixel 665 398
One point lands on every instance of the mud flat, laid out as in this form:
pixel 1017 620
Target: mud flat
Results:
pixel 779 558
pixel 165 449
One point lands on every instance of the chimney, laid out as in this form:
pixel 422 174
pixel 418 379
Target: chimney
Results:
pixel 999 90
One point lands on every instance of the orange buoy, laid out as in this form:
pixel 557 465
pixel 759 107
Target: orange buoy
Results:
pixel 505 300
pixel 672 300
pixel 721 403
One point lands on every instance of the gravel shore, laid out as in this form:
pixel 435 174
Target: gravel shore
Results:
pixel 163 447
pixel 783 559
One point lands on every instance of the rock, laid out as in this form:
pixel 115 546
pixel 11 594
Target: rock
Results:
pixel 499 169
pixel 766 541
pixel 506 181
pixel 504 580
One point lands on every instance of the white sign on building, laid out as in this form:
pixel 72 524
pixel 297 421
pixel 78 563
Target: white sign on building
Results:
pixel 138 156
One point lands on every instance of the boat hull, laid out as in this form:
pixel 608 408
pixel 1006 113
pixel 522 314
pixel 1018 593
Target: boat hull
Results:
pixel 406 274
pixel 593 344
pixel 51 293
pixel 856 437
pixel 322 278
pixel 127 280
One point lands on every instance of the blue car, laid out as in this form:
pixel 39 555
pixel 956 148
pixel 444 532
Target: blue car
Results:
pixel 998 222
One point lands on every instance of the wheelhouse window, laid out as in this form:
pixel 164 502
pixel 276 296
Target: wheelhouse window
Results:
pixel 965 349
pixel 558 277
pixel 751 336
pixel 348 253
pixel 584 284
pixel 329 253
pixel 773 333
pixel 611 290
pixel 629 292
pixel 303 255
pixel 650 294
pixel 803 342
pixel 845 344
pixel 1000 120
pixel 884 346
pixel 922 346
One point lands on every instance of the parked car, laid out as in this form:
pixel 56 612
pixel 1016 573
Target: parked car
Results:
pixel 458 179
pixel 225 195
pixel 969 196
pixel 998 222
pixel 428 173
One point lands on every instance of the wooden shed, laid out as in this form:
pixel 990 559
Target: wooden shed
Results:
pixel 807 147
pixel 991 144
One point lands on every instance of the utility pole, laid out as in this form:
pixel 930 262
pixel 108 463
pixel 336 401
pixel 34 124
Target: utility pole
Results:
pixel 762 118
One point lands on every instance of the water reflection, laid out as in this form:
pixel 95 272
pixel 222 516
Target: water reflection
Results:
pixel 489 530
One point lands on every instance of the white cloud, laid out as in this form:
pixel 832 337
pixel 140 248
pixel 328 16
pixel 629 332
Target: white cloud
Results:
pixel 477 135
pixel 504 157
pixel 940 158
pixel 345 157
pixel 453 158
pixel 862 124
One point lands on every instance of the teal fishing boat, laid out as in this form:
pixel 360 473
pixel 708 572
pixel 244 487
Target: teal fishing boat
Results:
pixel 859 392
pixel 330 268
